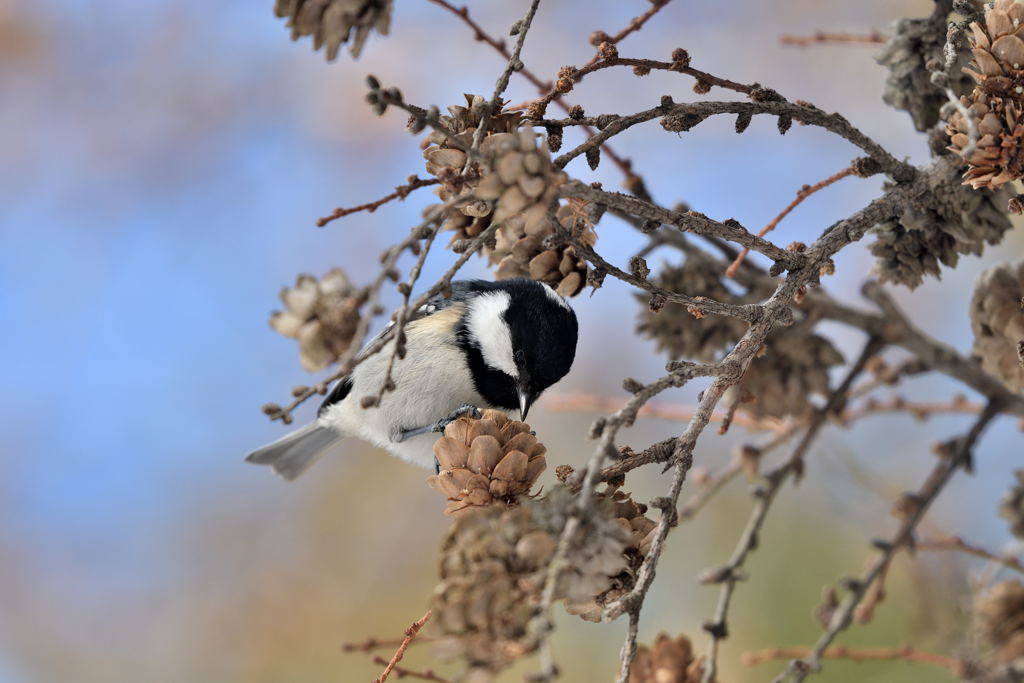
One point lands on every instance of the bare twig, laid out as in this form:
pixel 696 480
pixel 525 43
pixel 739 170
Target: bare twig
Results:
pixel 401 318
pixel 908 654
pixel 629 647
pixel 402 672
pixel 593 403
pixel 513 63
pixel 695 112
pixel 371 644
pixel 401 192
pixel 573 75
pixel 954 455
pixel 805 192
pixel 729 574
pixel 410 634
pixel 689 221
pixel 826 38
pixel 920 410
pixel 635 24
pixel 960 545
pixel 876 594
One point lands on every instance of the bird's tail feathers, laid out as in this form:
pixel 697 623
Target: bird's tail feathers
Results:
pixel 291 455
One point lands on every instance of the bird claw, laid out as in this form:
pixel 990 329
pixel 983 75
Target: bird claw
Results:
pixel 463 410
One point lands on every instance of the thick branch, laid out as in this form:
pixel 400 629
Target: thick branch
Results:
pixel 698 111
pixel 691 221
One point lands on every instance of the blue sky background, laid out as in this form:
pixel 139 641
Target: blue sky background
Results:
pixel 163 165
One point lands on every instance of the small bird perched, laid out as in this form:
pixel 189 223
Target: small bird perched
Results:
pixel 487 345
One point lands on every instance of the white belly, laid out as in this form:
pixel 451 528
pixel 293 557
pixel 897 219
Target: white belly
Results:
pixel 429 386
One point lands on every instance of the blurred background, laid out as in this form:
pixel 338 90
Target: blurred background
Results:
pixel 162 167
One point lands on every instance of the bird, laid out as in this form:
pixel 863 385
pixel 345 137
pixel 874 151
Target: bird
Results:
pixel 482 345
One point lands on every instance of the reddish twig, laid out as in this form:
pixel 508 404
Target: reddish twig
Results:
pixel 371 644
pixel 920 410
pixel 635 24
pixel 958 544
pixel 401 672
pixel 401 192
pixel 410 634
pixel 865 612
pixel 823 37
pixel 593 403
pixel 907 654
pixel 805 192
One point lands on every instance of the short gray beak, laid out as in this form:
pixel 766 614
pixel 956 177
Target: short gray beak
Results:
pixel 525 401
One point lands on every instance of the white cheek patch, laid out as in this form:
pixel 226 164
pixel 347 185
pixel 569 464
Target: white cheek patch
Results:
pixel 555 296
pixel 487 327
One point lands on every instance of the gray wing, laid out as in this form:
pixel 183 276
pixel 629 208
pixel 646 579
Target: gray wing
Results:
pixel 461 290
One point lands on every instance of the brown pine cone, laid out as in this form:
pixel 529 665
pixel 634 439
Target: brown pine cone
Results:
pixel 997 319
pixel 1012 506
pixel 322 315
pixel 492 573
pixel 947 220
pixel 998 622
pixel 631 517
pixel 464 121
pixel 446 163
pixel 997 65
pixel 908 86
pixel 675 330
pixel 523 185
pixel 486 461
pixel 794 365
pixel 606 551
pixel 333 22
pixel 669 660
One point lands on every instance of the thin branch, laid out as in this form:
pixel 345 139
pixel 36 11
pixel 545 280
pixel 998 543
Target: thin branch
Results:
pixel 748 313
pixel 695 112
pixel 908 654
pixel 865 611
pixel 687 221
pixel 402 672
pixel 513 63
pixel 401 318
pixel 637 23
pixel 594 403
pixel 410 634
pixel 920 410
pixel 955 454
pixel 960 545
pixel 572 76
pixel 629 647
pixel 805 192
pixel 826 38
pixel 401 192
pixel 729 574
pixel 371 644
pixel 895 327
